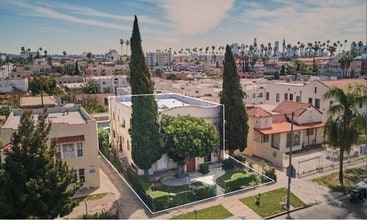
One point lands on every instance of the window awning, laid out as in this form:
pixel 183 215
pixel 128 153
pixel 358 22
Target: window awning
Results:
pixel 69 139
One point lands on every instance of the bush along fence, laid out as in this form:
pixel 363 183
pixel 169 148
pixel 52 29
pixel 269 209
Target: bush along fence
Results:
pixel 159 197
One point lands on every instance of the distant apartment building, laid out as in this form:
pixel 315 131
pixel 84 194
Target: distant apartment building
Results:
pixel 75 133
pixel 67 79
pixel 158 58
pixel 363 63
pixel 333 68
pixel 105 69
pixel 168 104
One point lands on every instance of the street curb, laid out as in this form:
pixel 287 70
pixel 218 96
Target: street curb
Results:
pixel 283 213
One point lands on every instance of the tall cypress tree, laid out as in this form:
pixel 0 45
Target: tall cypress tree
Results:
pixel 144 121
pixel 236 127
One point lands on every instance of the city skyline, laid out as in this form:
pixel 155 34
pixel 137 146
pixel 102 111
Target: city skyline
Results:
pixel 97 26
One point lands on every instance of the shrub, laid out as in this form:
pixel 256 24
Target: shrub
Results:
pixel 161 200
pixel 227 164
pixel 240 158
pixel 203 192
pixel 204 168
pixel 270 172
pixel 238 183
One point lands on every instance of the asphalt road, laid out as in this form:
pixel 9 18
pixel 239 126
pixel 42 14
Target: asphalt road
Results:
pixel 339 208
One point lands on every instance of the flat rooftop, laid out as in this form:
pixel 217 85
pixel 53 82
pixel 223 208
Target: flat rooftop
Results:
pixel 171 100
pixel 72 116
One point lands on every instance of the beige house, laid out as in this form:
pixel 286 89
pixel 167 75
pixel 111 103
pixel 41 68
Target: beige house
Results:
pixel 269 134
pixel 168 104
pixel 76 136
pixel 39 102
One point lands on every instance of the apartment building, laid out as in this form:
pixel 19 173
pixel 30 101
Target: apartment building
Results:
pixel 168 104
pixel 275 92
pixel 158 58
pixel 76 136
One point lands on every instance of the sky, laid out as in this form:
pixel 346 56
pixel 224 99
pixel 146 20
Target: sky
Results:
pixel 96 26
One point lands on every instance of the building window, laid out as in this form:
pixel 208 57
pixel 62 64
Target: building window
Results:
pixel 81 175
pixel 260 95
pixel 265 138
pixel 315 90
pixel 291 97
pixel 277 97
pixel 267 96
pixel 309 132
pixel 275 141
pixel 286 96
pixel 79 147
pixel 298 98
pixel 317 103
pixel 296 139
pixel 69 150
pixel 309 100
pixel 58 152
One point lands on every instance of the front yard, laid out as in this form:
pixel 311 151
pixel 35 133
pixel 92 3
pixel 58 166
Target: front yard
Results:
pixel 215 212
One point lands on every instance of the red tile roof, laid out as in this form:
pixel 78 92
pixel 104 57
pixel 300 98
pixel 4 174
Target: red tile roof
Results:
pixel 279 118
pixel 257 112
pixel 287 107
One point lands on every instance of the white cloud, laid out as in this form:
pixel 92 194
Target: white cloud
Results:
pixel 193 16
pixel 296 22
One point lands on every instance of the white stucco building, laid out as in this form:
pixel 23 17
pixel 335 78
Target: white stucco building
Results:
pixel 168 104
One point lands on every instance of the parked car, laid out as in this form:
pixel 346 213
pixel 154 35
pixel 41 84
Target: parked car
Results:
pixel 334 154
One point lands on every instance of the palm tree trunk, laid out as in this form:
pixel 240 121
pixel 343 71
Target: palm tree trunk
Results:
pixel 341 160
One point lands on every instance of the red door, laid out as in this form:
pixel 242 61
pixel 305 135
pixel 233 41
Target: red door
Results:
pixel 190 165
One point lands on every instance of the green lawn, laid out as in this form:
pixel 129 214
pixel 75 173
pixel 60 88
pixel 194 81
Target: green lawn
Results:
pixel 351 178
pixel 215 212
pixel 233 175
pixel 271 202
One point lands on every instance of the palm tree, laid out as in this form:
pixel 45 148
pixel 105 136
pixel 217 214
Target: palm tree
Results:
pixel 122 43
pixel 127 42
pixel 345 123
pixel 45 52
pixel 64 53
pixel 360 44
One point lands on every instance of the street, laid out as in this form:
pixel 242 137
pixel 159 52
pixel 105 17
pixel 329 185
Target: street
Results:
pixel 339 208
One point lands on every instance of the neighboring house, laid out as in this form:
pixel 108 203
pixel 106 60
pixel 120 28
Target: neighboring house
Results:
pixel 67 79
pixel 76 136
pixel 12 85
pixel 39 102
pixel 270 131
pixel 363 63
pixel 168 104
pixel 109 84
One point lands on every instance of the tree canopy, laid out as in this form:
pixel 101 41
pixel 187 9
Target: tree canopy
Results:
pixel 43 84
pixel 187 136
pixel 345 123
pixel 144 129
pixel 91 87
pixel 236 127
pixel 33 183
